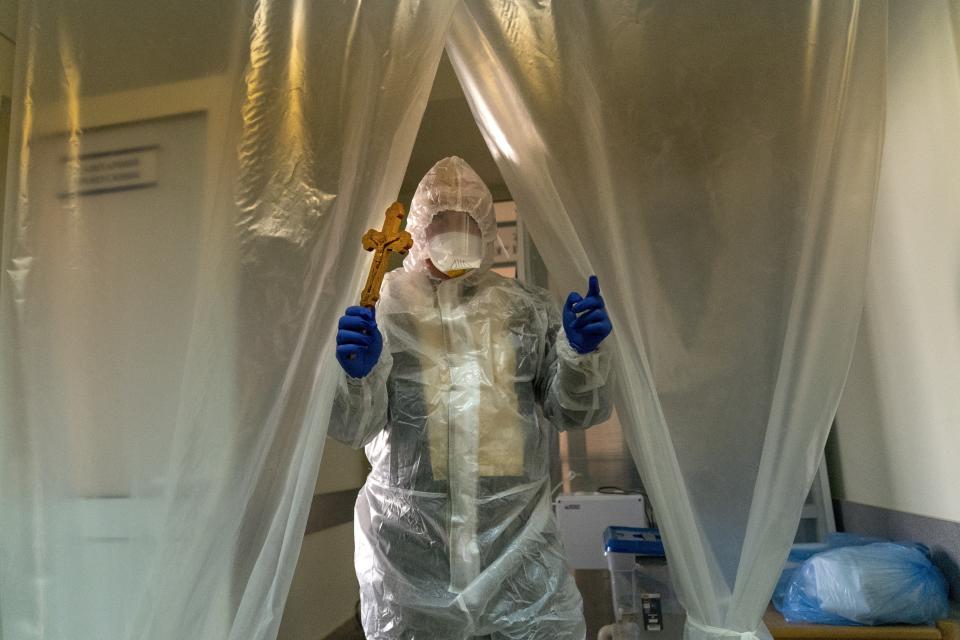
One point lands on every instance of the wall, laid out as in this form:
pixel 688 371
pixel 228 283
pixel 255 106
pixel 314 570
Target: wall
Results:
pixel 897 442
pixel 898 431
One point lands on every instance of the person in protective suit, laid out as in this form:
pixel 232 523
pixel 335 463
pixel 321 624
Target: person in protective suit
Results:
pixel 454 532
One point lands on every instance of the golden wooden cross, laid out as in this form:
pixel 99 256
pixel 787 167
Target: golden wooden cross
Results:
pixel 383 242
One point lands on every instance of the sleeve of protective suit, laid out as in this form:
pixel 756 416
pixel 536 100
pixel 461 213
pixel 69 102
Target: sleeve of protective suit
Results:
pixel 575 390
pixel 360 405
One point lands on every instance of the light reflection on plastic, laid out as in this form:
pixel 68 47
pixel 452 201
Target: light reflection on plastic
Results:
pixel 296 72
pixel 491 127
pixel 809 59
pixel 499 137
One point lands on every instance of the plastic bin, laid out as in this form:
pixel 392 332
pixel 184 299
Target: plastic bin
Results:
pixel 643 598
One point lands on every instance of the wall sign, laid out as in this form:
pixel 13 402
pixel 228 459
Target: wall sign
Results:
pixel 110 171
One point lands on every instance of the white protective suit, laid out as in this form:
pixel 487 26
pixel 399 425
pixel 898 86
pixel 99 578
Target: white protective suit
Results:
pixel 455 535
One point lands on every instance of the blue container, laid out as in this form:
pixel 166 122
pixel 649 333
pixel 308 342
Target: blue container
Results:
pixel 639 542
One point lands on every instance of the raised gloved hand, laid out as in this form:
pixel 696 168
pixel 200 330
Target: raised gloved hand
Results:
pixel 359 341
pixel 585 320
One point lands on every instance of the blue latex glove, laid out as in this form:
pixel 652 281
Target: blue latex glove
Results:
pixel 359 341
pixel 585 320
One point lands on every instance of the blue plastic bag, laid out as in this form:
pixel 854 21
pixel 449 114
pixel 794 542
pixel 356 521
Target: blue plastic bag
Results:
pixel 800 553
pixel 873 584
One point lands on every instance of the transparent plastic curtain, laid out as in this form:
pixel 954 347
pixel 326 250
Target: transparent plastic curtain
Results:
pixel 188 186
pixel 716 165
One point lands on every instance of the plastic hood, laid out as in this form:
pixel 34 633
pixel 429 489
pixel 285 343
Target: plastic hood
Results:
pixel 450 185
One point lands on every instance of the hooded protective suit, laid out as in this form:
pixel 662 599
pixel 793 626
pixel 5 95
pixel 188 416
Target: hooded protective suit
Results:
pixel 455 536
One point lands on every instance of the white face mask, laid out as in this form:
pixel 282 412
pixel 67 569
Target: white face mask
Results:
pixel 455 250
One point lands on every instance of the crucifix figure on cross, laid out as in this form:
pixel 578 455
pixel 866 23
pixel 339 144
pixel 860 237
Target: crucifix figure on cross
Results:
pixel 389 239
